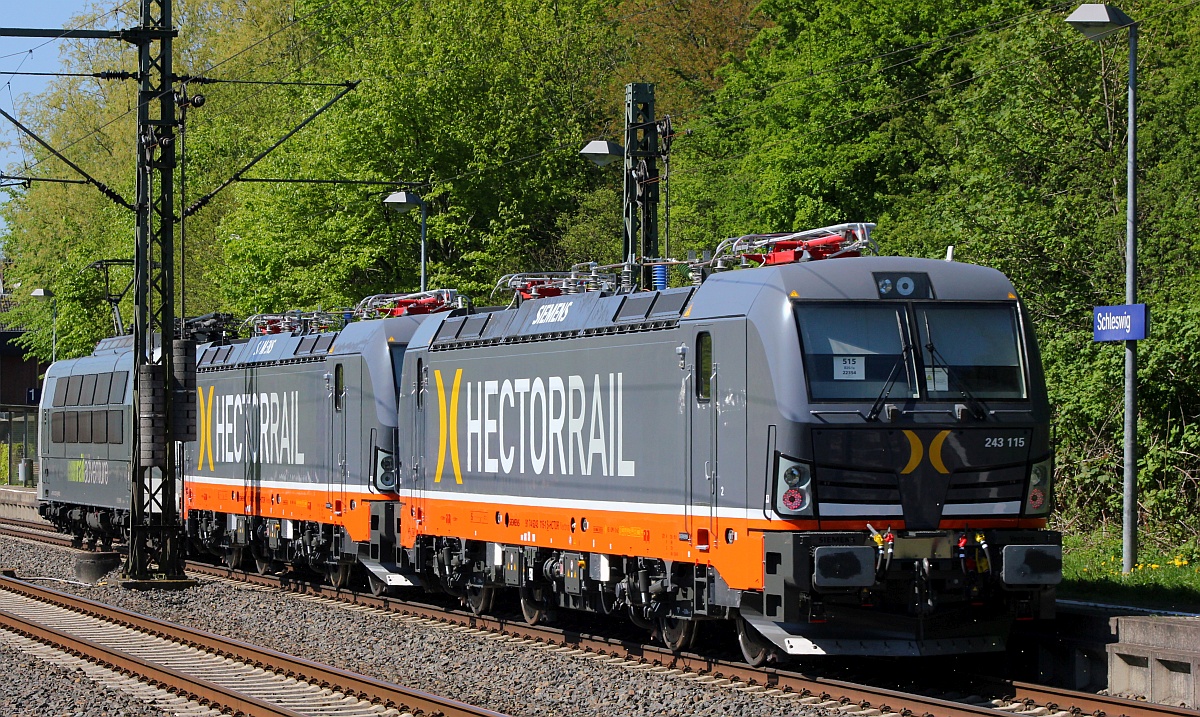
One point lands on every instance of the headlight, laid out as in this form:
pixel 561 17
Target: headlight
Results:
pixel 793 488
pixel 385 477
pixel 1037 494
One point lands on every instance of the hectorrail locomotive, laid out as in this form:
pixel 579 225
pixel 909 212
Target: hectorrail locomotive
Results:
pixel 845 456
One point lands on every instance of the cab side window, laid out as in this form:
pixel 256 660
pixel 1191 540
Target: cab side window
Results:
pixel 704 363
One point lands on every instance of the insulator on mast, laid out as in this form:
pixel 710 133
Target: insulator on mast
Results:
pixel 183 389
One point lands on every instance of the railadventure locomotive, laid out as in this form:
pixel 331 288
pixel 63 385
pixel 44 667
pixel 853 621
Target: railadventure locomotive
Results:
pixel 843 456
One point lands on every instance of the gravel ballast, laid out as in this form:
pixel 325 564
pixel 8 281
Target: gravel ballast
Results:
pixel 35 686
pixel 514 679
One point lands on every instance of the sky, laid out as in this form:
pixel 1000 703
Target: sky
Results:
pixel 31 54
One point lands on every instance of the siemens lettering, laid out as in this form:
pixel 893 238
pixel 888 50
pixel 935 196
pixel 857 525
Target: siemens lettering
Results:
pixel 552 313
pixel 261 427
pixel 553 425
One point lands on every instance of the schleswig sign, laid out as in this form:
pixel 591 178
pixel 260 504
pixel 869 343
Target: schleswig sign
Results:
pixel 1130 322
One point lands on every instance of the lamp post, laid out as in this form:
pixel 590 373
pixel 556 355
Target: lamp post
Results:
pixel 603 152
pixel 403 201
pixel 1097 22
pixel 48 294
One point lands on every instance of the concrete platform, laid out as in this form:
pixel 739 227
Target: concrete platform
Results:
pixel 18 503
pixel 1157 657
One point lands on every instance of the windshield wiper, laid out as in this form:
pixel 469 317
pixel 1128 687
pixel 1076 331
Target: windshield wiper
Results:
pixel 877 407
pixel 978 410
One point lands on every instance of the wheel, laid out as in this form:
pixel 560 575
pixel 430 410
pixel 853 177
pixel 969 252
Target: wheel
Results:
pixel 676 633
pixel 338 574
pixel 232 557
pixel 638 617
pixel 263 565
pixel 756 649
pixel 533 608
pixel 479 599
pixel 379 588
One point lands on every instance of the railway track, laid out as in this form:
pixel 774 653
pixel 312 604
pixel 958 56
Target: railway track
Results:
pixel 1002 696
pixel 980 695
pixel 34 530
pixel 209 669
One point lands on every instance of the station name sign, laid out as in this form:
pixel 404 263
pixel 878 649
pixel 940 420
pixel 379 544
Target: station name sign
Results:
pixel 1130 322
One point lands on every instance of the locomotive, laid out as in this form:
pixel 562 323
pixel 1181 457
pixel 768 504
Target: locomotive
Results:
pixel 837 453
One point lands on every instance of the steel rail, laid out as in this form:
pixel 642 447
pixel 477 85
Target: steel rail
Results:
pixel 9 529
pixel 1053 698
pixel 344 681
pixel 30 524
pixel 1098 705
pixel 848 693
pixel 195 688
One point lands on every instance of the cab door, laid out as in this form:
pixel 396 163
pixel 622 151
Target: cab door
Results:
pixel 413 412
pixel 703 470
pixel 343 411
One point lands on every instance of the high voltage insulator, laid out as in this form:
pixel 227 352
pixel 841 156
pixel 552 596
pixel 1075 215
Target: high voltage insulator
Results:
pixel 183 390
pixel 152 416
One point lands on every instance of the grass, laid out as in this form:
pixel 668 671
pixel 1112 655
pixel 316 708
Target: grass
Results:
pixel 1161 579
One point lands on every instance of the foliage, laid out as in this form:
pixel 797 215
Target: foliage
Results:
pixel 1009 143
pixel 1164 577
pixel 55 231
pixel 990 126
pixel 481 107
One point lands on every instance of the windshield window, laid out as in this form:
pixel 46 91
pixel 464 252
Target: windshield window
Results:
pixel 853 352
pixel 976 348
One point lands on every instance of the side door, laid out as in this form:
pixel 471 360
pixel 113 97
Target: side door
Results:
pixel 703 467
pixel 343 410
pixel 418 419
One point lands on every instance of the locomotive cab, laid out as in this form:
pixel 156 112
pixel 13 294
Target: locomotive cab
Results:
pixel 908 459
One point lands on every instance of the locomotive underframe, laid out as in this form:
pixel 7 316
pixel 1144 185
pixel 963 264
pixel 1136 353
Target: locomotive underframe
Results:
pixel 273 542
pixel 92 526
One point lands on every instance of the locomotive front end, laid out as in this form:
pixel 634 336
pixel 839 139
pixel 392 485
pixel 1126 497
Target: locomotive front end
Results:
pixel 909 480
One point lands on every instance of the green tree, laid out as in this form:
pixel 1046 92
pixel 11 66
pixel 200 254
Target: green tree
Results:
pixel 480 108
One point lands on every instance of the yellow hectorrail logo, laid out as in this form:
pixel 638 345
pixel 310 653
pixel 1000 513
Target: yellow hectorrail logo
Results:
pixel 448 435
pixel 917 452
pixel 205 432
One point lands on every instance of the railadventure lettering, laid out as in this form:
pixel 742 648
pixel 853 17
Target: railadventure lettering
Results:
pixel 257 427
pixel 86 471
pixel 551 426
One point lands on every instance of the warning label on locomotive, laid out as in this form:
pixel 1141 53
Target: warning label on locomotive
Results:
pixel 554 425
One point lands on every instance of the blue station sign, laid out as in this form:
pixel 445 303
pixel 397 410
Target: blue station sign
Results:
pixel 1130 322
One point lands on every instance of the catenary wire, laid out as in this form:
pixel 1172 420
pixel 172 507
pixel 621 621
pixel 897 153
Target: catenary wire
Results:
pixel 26 54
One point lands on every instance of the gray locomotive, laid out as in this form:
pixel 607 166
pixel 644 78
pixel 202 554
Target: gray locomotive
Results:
pixel 840 454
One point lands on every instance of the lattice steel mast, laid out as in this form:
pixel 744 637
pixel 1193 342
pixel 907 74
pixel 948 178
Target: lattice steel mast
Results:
pixel 164 366
pixel 156 534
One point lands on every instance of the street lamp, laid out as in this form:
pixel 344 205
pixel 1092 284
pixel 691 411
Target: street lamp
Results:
pixel 602 152
pixel 1097 22
pixel 402 202
pixel 48 294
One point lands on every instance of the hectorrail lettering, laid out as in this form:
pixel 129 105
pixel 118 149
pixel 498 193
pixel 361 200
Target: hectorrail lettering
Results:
pixel 260 428
pixel 554 425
